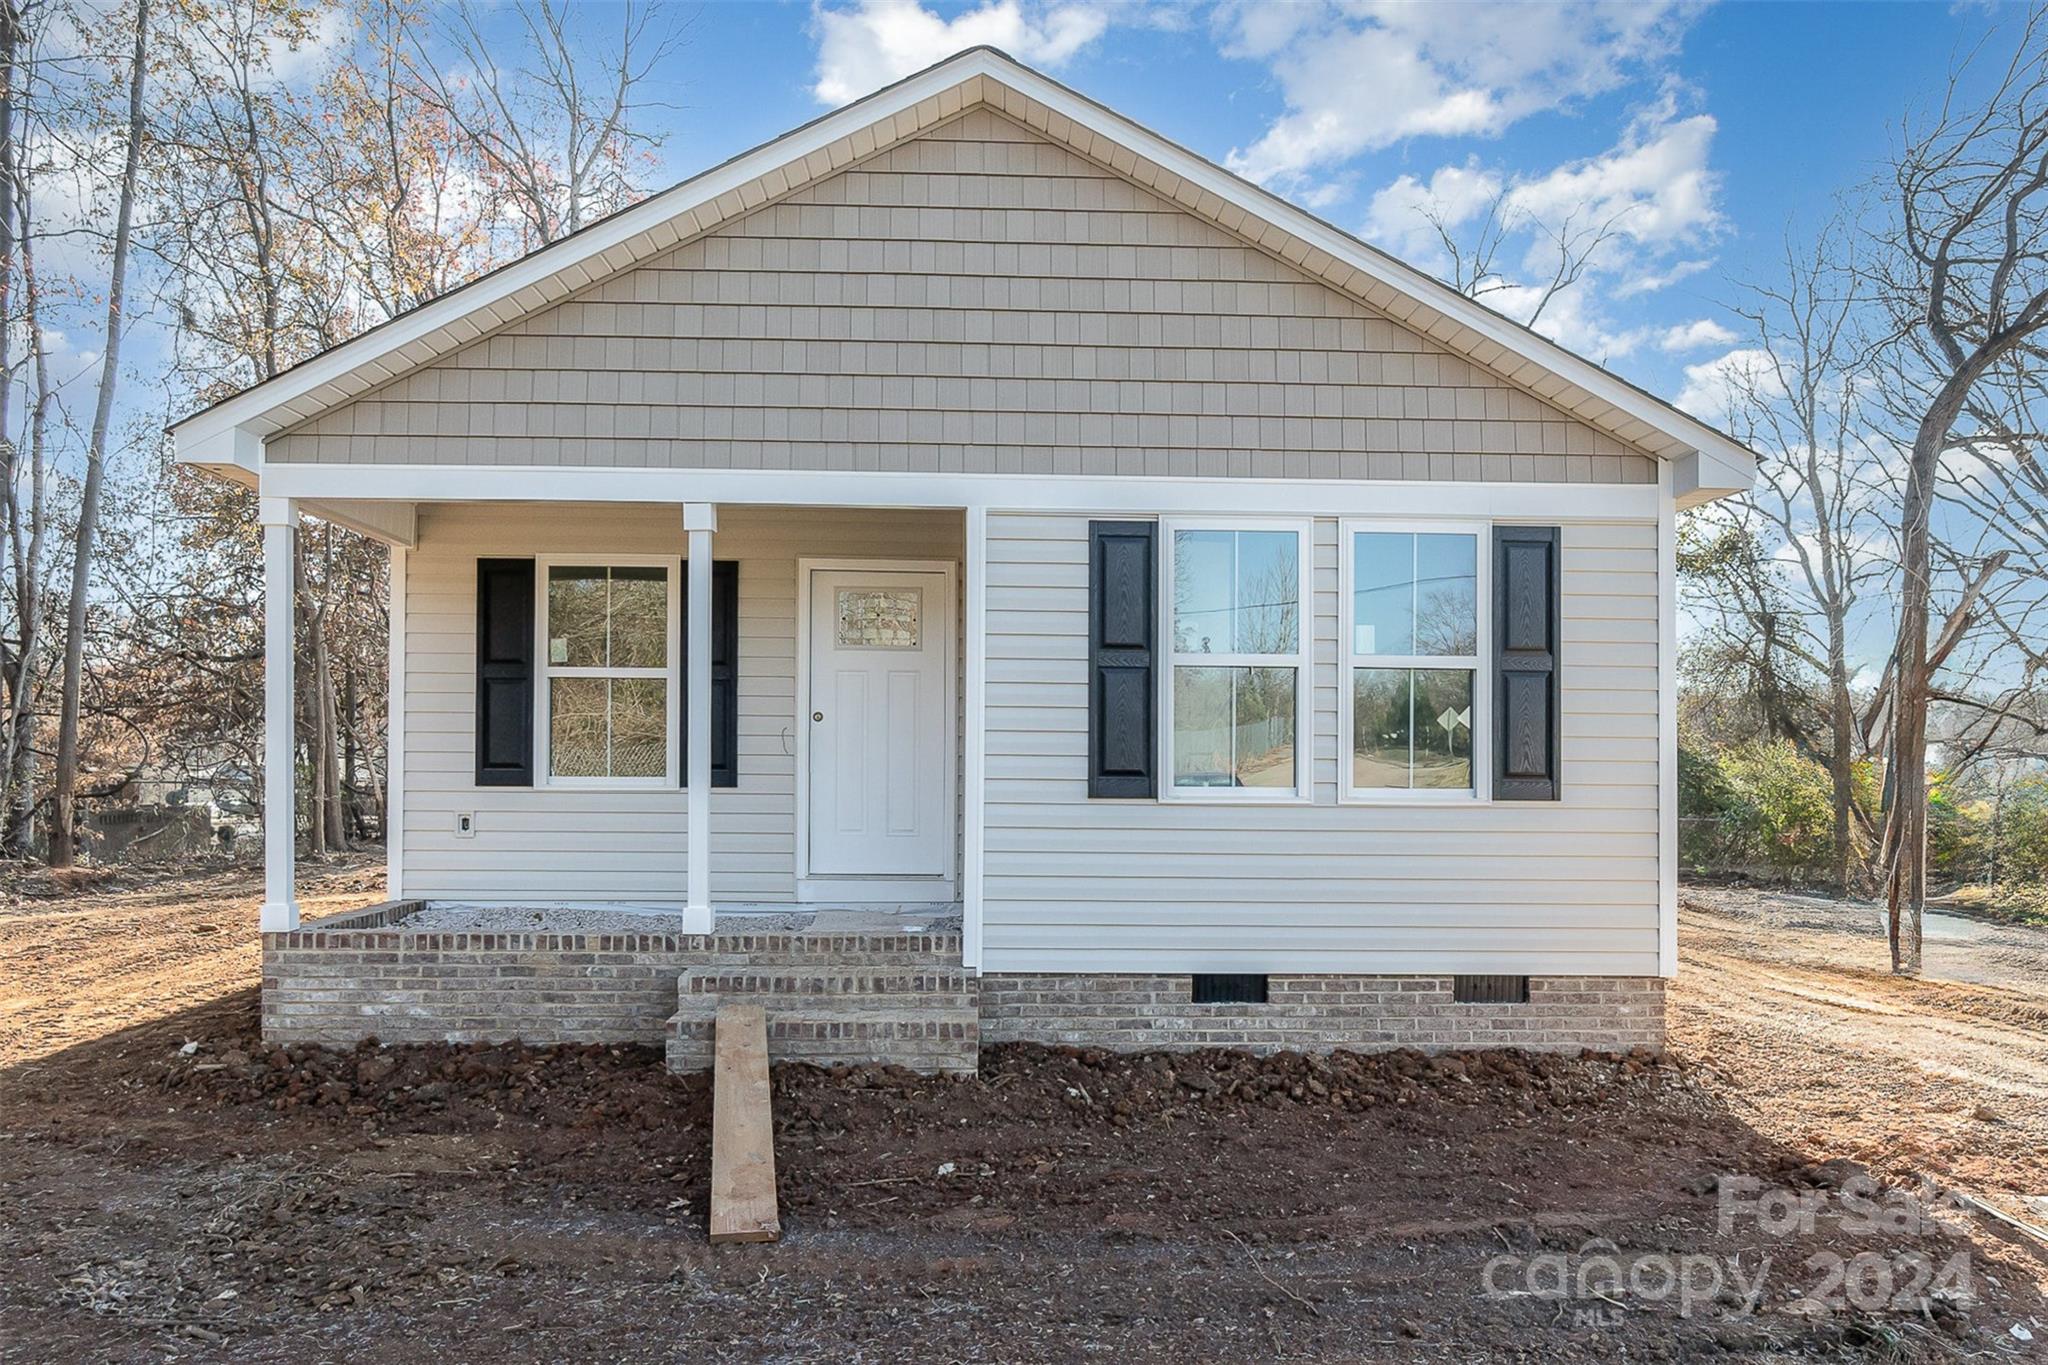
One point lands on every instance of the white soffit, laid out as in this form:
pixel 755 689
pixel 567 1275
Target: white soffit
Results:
pixel 228 435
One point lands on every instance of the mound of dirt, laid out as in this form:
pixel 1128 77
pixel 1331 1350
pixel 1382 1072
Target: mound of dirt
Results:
pixel 433 1087
pixel 452 1084
pixel 1112 1089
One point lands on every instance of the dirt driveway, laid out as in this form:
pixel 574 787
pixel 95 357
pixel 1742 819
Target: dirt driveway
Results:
pixel 171 1189
pixel 1790 1001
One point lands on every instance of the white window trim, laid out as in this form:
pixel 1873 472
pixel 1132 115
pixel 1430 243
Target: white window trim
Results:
pixel 1480 793
pixel 1303 792
pixel 545 672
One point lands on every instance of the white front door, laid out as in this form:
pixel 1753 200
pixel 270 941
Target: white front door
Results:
pixel 880 796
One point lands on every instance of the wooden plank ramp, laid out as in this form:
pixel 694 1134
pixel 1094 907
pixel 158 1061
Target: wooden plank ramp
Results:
pixel 742 1130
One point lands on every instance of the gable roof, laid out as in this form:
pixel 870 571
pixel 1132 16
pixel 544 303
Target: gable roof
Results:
pixel 228 435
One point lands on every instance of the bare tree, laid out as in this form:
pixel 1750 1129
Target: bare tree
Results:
pixel 1964 278
pixel 63 826
pixel 1474 249
pixel 1806 548
pixel 1998 481
pixel 296 215
pixel 558 134
pixel 27 527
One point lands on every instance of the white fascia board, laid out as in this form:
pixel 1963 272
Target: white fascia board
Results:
pixel 876 488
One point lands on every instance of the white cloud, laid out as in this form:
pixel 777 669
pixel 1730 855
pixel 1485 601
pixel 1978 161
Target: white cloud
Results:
pixel 1400 216
pixel 1628 209
pixel 1694 335
pixel 286 64
pixel 1363 75
pixel 864 47
pixel 1654 185
pixel 1650 281
pixel 1573 319
pixel 1713 388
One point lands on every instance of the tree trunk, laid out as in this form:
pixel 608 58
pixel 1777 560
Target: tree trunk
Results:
pixel 64 822
pixel 1906 829
pixel 327 768
pixel 308 729
pixel 1842 761
pixel 17 772
pixel 345 726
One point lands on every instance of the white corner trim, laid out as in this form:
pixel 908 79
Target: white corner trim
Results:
pixel 1667 737
pixel 975 836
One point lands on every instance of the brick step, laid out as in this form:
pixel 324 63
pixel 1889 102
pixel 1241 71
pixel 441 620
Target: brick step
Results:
pixel 930 1039
pixel 908 1003
pixel 938 949
pixel 840 982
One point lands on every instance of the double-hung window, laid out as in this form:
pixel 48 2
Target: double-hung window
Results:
pixel 1414 708
pixel 607 702
pixel 1234 701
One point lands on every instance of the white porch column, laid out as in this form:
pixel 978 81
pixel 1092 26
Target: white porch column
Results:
pixel 700 520
pixel 280 788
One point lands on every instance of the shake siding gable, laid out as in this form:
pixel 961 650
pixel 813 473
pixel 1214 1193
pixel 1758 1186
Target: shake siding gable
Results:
pixel 976 300
pixel 1525 888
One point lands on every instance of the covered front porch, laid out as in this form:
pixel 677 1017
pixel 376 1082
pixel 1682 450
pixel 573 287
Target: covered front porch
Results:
pixel 700 715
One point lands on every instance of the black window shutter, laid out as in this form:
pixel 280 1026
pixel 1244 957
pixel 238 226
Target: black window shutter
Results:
pixel 725 675
pixel 1123 611
pixel 504 672
pixel 1525 647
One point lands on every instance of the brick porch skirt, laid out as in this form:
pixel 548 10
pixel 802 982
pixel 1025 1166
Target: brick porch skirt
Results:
pixel 360 975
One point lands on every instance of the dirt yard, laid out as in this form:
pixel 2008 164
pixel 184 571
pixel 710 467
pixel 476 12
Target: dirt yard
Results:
pixel 171 1189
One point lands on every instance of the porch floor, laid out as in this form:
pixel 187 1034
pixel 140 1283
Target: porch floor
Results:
pixel 741 918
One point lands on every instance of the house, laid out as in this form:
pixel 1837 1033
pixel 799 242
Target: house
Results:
pixel 971 569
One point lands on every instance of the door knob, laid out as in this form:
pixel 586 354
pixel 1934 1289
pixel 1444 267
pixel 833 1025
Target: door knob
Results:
pixel 817 716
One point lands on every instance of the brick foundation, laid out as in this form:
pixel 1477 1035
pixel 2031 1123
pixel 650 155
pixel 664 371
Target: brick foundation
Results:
pixel 361 975
pixel 1318 1013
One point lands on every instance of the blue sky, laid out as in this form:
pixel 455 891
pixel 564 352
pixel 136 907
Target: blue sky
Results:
pixel 1703 132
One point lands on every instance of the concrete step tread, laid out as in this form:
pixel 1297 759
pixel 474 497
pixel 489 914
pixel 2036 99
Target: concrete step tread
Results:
pixel 824 981
pixel 822 1009
pixel 703 1007
pixel 937 946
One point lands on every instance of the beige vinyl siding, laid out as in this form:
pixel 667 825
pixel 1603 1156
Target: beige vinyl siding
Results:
pixel 540 844
pixel 1075 884
pixel 978 299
